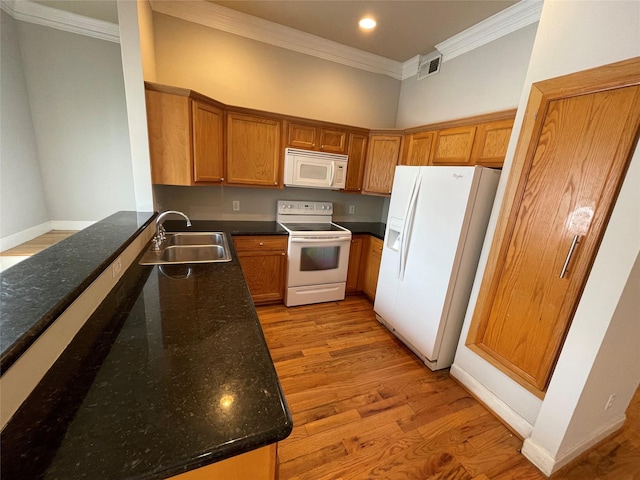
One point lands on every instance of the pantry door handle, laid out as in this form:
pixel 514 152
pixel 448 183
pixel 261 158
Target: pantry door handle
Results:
pixel 576 239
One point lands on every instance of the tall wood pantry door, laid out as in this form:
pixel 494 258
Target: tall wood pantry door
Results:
pixel 573 168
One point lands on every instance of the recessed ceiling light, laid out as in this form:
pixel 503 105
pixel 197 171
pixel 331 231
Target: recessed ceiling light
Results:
pixel 367 23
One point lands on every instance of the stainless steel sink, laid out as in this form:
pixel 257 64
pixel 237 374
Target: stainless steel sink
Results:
pixel 195 238
pixel 187 247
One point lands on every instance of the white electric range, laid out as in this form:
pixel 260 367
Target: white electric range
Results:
pixel 318 252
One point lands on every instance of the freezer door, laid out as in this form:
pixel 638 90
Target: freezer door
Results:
pixel 404 181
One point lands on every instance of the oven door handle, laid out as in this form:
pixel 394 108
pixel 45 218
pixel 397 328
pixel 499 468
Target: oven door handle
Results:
pixel 319 240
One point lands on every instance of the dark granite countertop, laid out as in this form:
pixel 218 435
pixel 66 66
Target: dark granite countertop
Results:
pixel 232 227
pixel 267 228
pixel 171 373
pixel 372 228
pixel 36 291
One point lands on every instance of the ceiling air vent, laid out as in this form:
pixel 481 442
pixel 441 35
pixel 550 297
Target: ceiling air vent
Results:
pixel 429 65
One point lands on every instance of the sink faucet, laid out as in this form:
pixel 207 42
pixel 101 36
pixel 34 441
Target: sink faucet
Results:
pixel 160 231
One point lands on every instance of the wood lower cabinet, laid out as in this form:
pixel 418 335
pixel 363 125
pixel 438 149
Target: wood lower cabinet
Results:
pixel 418 148
pixel 253 150
pixel 186 138
pixel 453 146
pixel 354 277
pixel 383 154
pixel 258 464
pixel 577 140
pixel 372 261
pixel 357 158
pixel 263 259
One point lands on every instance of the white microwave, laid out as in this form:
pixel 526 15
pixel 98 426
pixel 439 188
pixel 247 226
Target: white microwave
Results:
pixel 305 168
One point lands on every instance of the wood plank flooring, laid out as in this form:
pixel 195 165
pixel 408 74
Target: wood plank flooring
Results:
pixel 38 244
pixel 364 407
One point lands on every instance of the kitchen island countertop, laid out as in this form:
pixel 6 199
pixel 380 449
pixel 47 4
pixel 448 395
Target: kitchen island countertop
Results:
pixel 171 373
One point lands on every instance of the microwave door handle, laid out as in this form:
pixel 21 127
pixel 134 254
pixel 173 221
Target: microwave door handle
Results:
pixel 332 172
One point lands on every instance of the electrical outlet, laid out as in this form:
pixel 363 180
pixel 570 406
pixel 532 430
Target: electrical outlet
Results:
pixel 116 268
pixel 236 205
pixel 352 209
pixel 610 402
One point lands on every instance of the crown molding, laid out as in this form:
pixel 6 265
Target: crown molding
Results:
pixel 230 21
pixel 39 14
pixel 502 23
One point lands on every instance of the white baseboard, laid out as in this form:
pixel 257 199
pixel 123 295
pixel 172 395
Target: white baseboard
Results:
pixel 16 239
pixel 550 465
pixel 494 403
pixel 69 225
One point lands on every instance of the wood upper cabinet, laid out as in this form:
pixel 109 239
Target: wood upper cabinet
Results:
pixel 577 139
pixel 186 138
pixel 208 142
pixel 418 148
pixel 263 259
pixel 357 158
pixel 382 157
pixel 253 150
pixel 315 137
pixel 453 146
pixel 491 142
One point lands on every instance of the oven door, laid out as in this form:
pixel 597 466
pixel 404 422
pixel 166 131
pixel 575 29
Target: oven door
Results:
pixel 318 260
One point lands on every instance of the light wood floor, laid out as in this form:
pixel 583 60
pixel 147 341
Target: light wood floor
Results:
pixel 364 407
pixel 38 244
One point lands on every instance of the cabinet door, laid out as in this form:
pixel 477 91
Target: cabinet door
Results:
pixel 301 136
pixel 372 267
pixel 253 150
pixel 491 142
pixel 169 138
pixel 332 140
pixel 453 146
pixel 382 158
pixel 355 257
pixel 554 215
pixel 264 264
pixel 355 167
pixel 208 142
pixel 418 148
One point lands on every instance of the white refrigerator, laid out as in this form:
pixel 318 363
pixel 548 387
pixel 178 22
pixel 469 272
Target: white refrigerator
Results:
pixel 435 229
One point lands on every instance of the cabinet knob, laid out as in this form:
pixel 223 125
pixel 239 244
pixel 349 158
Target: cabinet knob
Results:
pixel 222 179
pixel 313 145
pixel 261 244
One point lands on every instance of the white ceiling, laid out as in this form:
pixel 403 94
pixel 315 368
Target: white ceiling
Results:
pixel 405 28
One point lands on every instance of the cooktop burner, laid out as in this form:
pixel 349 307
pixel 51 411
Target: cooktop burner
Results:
pixel 313 227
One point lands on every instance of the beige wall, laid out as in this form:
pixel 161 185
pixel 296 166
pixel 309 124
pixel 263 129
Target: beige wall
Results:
pixel 147 42
pixel 486 79
pixel 243 72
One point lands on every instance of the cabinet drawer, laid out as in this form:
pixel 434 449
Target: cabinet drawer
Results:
pixel 266 242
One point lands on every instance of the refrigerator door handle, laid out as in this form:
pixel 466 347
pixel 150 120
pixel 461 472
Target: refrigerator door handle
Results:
pixel 408 224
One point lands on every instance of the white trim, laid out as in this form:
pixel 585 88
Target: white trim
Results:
pixel 69 225
pixel 19 238
pixel 549 465
pixel 228 20
pixel 39 14
pixel 503 23
pixel 493 402
pixel 410 67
